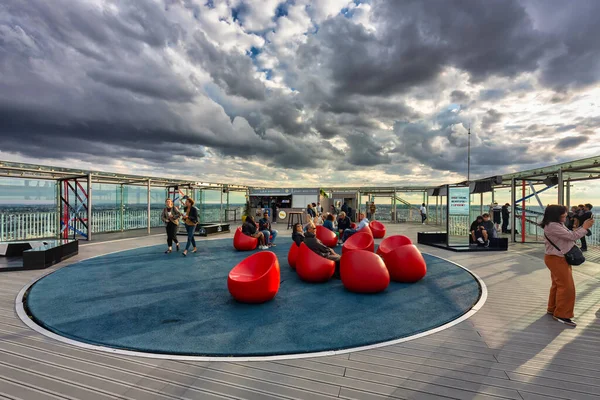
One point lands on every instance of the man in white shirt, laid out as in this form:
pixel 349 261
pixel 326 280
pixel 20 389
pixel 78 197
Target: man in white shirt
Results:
pixel 423 212
pixel 349 232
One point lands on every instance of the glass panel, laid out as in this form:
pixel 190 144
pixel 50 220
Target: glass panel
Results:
pixel 458 216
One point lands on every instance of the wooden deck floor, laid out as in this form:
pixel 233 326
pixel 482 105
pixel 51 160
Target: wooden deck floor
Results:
pixel 510 349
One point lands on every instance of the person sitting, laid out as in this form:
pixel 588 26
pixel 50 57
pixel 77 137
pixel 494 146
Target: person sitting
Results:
pixel 319 248
pixel 265 227
pixel 485 231
pixel 318 220
pixel 249 228
pixel 328 223
pixel 474 228
pixel 343 224
pixel 349 232
pixel 298 234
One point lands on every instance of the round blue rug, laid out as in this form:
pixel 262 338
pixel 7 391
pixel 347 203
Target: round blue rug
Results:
pixel 144 300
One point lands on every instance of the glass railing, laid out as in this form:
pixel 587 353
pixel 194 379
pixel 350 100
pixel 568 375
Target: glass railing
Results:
pixel 36 225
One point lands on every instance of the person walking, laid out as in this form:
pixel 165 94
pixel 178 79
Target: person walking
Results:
pixel 558 241
pixel 505 215
pixel 190 218
pixel 170 216
pixel 423 212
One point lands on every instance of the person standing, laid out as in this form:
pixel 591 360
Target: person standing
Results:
pixel 505 214
pixel 423 212
pixel 372 209
pixel 170 216
pixel 496 214
pixel 274 209
pixel 584 216
pixel 190 218
pixel 558 241
pixel 265 227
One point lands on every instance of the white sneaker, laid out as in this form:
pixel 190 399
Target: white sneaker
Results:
pixel 480 240
pixel 263 247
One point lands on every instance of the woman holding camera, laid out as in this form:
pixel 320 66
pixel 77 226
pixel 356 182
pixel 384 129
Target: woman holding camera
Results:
pixel 559 240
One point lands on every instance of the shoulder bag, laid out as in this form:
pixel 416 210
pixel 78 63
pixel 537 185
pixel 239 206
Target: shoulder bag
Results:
pixel 574 256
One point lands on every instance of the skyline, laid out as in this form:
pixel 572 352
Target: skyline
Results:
pixel 300 93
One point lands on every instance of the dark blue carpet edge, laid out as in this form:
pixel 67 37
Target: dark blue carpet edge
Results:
pixel 250 353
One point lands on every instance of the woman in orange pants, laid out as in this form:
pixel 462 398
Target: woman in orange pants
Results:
pixel 559 240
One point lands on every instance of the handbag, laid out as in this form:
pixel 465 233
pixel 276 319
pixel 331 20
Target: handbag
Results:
pixel 574 256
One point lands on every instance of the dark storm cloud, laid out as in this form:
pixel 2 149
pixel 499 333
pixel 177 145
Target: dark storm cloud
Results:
pixel 416 40
pixel 492 94
pixel 458 96
pixel 364 151
pixel 232 70
pixel 571 142
pixel 490 118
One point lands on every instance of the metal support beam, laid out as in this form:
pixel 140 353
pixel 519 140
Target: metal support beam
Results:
pixel 89 207
pixel 221 207
pixel 122 211
pixel 513 218
pixel 481 203
pixel 561 187
pixel 568 194
pixel 149 202
pixel 536 196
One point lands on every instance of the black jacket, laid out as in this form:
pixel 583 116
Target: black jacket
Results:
pixel 264 224
pixel 192 214
pixel 298 237
pixel 248 228
pixel 311 241
pixel 344 223
pixel 505 212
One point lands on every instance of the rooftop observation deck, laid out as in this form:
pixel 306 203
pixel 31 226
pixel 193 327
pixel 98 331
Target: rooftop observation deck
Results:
pixel 510 349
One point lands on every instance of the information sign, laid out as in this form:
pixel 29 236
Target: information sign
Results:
pixel 458 200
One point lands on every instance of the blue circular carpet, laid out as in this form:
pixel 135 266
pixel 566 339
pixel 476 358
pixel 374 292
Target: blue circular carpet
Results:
pixel 145 300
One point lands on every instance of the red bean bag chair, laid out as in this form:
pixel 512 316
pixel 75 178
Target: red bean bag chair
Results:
pixel 364 272
pixel 243 242
pixel 311 267
pixel 293 255
pixel 390 243
pixel 326 236
pixel 378 229
pixel 255 279
pixel 366 229
pixel 405 264
pixel 359 241
pixel 353 225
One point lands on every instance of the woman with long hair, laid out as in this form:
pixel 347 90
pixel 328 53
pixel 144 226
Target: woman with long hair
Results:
pixel 170 216
pixel 298 234
pixel 249 228
pixel 559 240
pixel 190 217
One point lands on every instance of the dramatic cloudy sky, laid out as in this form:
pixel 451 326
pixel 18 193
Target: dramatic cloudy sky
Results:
pixel 300 92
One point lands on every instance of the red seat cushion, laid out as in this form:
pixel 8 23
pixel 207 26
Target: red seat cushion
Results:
pixel 364 272
pixel 390 243
pixel 353 225
pixel 368 230
pixel 293 255
pixel 378 229
pixel 405 264
pixel 359 241
pixel 311 267
pixel 326 236
pixel 255 279
pixel 243 242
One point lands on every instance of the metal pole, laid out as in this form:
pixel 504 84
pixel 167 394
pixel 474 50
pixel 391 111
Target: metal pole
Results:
pixel 481 203
pixel 447 215
pixel 89 204
pixel 469 156
pixel 437 221
pixel 513 199
pixel 149 200
pixel 122 217
pixel 569 193
pixel 561 187
pixel 59 185
pixel 395 209
pixel 221 206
